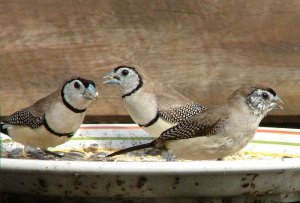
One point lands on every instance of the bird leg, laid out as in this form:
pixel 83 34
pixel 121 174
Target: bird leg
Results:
pixel 34 153
pixel 16 153
pixel 46 151
pixel 41 153
pixel 168 156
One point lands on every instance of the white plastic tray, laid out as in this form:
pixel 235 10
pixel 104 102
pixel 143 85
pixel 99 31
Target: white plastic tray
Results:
pixel 272 179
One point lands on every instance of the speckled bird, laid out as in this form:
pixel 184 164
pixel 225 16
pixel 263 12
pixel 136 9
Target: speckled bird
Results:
pixel 151 104
pixel 53 119
pixel 218 131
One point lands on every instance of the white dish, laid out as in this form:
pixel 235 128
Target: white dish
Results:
pixel 272 178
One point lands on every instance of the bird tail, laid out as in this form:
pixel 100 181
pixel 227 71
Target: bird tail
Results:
pixel 130 149
pixel 3 129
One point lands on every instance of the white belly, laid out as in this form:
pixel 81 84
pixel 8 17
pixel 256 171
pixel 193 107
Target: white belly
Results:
pixel 158 127
pixel 38 137
pixel 59 118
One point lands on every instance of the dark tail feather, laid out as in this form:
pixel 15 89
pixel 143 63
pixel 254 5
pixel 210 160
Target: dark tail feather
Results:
pixel 130 149
pixel 3 129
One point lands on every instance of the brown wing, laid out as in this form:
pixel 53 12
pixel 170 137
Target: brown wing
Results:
pixel 180 113
pixel 205 124
pixel 25 117
pixel 175 107
pixel 172 106
pixel 34 115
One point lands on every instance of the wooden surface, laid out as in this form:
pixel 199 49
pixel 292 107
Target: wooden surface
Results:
pixel 204 49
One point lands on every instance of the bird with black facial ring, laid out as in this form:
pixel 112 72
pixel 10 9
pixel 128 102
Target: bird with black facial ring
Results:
pixel 151 104
pixel 54 119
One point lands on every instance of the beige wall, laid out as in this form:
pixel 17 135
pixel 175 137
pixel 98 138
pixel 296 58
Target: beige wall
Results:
pixel 204 49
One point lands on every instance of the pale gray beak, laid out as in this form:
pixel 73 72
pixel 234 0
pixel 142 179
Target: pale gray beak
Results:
pixel 90 93
pixel 276 104
pixel 111 78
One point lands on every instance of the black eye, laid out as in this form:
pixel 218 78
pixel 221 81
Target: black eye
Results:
pixel 124 72
pixel 76 85
pixel 265 96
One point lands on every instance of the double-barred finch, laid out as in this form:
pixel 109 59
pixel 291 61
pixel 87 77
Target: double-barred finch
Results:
pixel 218 131
pixel 53 119
pixel 150 104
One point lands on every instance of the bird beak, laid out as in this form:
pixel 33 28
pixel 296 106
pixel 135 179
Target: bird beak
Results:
pixel 111 78
pixel 276 103
pixel 90 93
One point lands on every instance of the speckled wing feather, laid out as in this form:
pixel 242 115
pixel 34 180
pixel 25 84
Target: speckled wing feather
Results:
pixel 172 106
pixel 204 124
pixel 24 117
pixel 33 116
pixel 175 107
pixel 180 113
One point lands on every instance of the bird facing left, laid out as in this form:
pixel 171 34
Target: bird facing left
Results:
pixel 54 119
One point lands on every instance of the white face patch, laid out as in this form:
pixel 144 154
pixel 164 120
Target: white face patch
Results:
pixel 129 79
pixel 73 94
pixel 74 89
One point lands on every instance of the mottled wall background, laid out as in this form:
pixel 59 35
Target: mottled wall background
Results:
pixel 204 49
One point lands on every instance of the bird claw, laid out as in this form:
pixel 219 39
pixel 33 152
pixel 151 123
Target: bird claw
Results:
pixel 16 153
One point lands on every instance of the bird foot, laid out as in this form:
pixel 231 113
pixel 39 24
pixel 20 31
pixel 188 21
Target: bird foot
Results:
pixel 46 151
pixel 168 156
pixel 16 153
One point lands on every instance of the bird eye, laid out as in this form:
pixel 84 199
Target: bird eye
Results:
pixel 265 95
pixel 124 72
pixel 76 85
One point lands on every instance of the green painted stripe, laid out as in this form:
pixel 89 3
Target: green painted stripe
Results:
pixel 275 143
